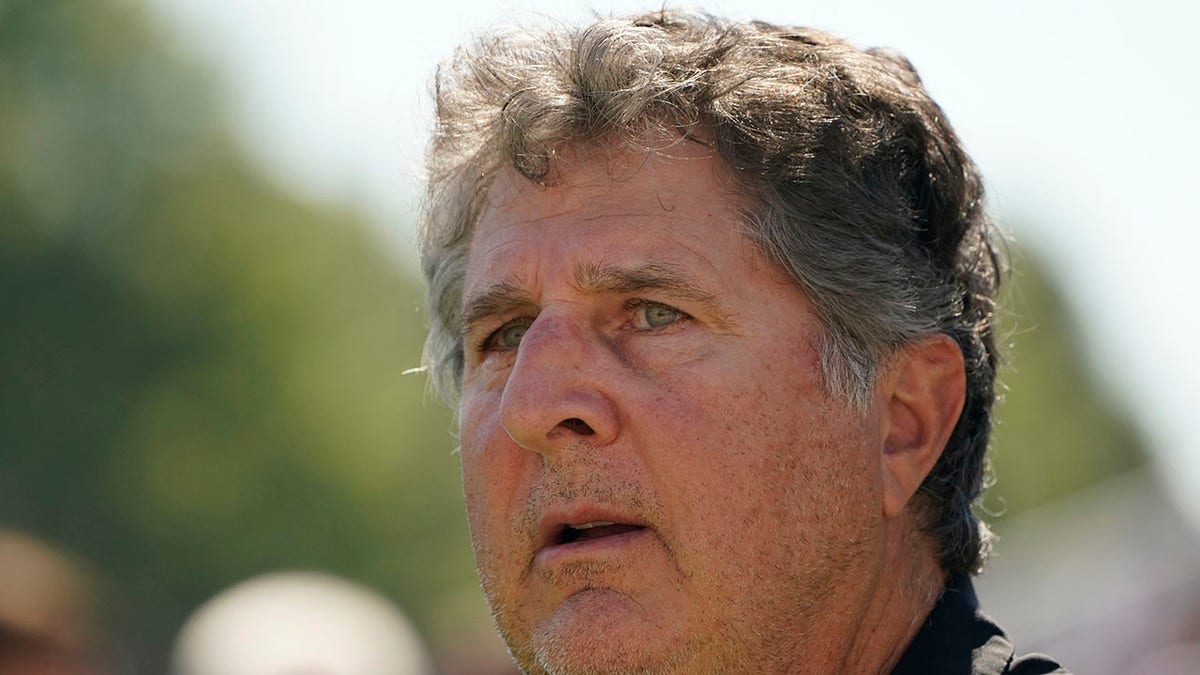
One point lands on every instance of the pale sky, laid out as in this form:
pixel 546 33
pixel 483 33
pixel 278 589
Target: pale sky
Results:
pixel 1081 116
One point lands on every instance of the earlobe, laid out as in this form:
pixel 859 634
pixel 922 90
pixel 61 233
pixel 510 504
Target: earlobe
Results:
pixel 924 392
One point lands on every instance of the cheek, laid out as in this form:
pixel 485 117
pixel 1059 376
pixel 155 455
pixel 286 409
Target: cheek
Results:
pixel 763 457
pixel 488 457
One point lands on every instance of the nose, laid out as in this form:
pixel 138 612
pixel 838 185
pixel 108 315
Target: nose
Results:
pixel 558 390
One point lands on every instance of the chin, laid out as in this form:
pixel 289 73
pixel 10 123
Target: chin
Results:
pixel 604 631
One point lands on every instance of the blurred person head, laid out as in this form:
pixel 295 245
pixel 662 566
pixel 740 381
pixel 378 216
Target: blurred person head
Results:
pixel 47 625
pixel 299 623
pixel 714 302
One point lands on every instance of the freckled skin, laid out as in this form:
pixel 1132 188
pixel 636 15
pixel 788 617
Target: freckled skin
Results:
pixel 762 494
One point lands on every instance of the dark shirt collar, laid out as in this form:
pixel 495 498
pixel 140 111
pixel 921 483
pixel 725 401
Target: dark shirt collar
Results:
pixel 957 638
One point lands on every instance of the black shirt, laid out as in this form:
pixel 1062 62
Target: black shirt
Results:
pixel 959 639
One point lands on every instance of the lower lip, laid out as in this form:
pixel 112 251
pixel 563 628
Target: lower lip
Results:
pixel 604 547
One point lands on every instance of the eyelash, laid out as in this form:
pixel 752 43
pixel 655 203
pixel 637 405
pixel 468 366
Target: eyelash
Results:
pixel 484 345
pixel 634 304
pixel 629 306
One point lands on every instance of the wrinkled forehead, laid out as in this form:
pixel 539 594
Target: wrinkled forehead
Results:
pixel 672 231
pixel 612 161
pixel 615 195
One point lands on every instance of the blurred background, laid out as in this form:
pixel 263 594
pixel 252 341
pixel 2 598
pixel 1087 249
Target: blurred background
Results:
pixel 208 302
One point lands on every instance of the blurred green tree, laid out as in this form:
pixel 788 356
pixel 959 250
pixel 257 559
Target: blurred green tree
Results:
pixel 1058 432
pixel 200 375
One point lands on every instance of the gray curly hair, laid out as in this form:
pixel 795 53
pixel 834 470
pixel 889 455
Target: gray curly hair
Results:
pixel 864 194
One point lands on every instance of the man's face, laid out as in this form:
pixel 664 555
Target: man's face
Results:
pixel 655 477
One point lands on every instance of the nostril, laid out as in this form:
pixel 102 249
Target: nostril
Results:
pixel 578 426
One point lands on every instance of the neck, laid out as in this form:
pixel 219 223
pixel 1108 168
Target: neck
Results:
pixel 909 583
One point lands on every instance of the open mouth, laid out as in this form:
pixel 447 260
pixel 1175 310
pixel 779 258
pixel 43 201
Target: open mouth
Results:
pixel 599 529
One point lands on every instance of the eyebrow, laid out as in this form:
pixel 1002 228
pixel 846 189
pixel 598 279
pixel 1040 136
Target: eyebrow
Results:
pixel 499 298
pixel 596 278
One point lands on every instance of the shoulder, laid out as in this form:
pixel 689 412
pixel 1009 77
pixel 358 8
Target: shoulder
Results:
pixel 957 638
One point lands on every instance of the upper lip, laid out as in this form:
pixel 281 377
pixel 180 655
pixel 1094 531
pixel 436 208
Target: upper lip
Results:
pixel 555 519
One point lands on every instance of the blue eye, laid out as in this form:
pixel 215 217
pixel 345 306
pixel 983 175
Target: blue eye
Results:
pixel 510 336
pixel 654 315
pixel 507 336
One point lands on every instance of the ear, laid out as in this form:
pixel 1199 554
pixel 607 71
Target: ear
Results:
pixel 923 390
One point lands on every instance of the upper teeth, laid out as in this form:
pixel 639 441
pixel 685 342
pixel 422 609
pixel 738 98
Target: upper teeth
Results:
pixel 594 523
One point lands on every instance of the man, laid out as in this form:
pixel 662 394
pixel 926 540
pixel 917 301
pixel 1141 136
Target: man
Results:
pixel 714 301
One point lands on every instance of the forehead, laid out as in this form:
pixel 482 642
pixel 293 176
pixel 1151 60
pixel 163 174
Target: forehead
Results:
pixel 679 205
